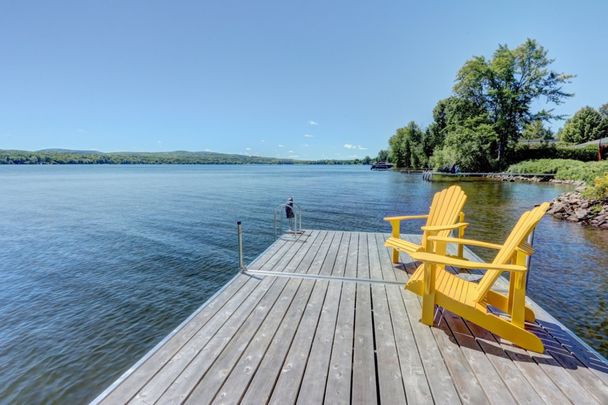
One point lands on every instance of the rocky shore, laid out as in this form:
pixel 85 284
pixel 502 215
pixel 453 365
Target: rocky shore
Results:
pixel 574 207
pixel 531 179
pixel 571 206
pixel 515 177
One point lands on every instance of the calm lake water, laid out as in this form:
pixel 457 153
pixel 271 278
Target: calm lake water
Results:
pixel 99 263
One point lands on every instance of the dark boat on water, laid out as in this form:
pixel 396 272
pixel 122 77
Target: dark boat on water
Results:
pixel 381 166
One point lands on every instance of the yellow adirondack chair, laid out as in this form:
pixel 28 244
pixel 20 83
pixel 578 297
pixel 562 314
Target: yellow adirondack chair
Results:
pixel 470 300
pixel 445 211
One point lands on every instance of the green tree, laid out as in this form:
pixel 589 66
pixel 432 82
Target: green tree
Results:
pixel 536 130
pixel 382 156
pixel 603 110
pixel 407 152
pixel 449 113
pixel 468 147
pixel 587 124
pixel 507 85
pixel 366 160
pixel 396 148
pixel 406 146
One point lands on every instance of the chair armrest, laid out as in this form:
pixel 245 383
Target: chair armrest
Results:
pixel 435 228
pixel 469 242
pixel 524 247
pixel 405 217
pixel 449 261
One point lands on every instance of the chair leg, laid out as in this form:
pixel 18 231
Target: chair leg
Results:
pixel 395 233
pixel 428 309
pixel 428 294
pixel 441 248
pixel 519 300
pixel 395 256
pixel 461 236
pixel 511 290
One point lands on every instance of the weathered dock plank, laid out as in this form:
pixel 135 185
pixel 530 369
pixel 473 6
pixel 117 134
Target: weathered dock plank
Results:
pixel 323 318
pixel 317 367
pixel 390 379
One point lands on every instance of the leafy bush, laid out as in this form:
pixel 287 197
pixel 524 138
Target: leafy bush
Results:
pixel 587 172
pixel 527 152
pixel 543 166
pixel 599 189
pixel 564 169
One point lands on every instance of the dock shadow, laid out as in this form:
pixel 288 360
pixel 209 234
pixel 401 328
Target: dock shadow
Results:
pixel 562 349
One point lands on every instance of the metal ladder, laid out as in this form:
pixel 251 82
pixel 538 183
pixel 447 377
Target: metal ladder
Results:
pixel 279 216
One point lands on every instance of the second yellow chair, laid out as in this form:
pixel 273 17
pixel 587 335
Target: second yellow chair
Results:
pixel 470 300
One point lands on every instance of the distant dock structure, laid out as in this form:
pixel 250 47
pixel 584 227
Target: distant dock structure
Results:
pixel 322 317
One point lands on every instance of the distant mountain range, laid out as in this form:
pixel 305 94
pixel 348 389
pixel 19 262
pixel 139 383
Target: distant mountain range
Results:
pixel 68 156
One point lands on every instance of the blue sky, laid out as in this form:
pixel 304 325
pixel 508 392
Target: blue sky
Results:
pixel 314 79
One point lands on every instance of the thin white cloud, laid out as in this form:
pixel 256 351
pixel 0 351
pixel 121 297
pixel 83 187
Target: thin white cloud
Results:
pixel 351 146
pixel 290 151
pixel 280 145
pixel 247 149
pixel 207 150
pixel 262 141
pixel 306 145
pixel 308 136
pixel 313 123
pixel 293 156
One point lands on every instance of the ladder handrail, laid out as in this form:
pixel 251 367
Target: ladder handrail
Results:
pixel 279 211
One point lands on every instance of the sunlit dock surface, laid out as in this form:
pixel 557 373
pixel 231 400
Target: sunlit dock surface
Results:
pixel 325 318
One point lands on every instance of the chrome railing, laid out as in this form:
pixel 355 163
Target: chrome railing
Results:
pixel 280 214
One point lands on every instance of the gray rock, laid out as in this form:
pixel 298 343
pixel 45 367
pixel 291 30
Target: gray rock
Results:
pixel 581 213
pixel 573 207
pixel 557 207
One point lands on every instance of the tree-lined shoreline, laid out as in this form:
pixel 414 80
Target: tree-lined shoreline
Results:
pixel 496 103
pixel 65 156
pixel 494 106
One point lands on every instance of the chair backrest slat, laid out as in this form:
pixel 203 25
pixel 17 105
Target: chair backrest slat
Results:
pixel 446 207
pixel 527 222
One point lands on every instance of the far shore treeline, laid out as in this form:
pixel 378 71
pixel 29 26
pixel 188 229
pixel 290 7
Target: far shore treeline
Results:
pixel 63 156
pixel 490 120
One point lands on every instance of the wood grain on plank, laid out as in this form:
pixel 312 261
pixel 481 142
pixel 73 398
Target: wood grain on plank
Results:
pixel 239 379
pixel 288 384
pixel 312 389
pixel 249 349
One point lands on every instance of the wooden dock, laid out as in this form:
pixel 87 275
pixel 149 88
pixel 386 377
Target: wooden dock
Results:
pixel 324 319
